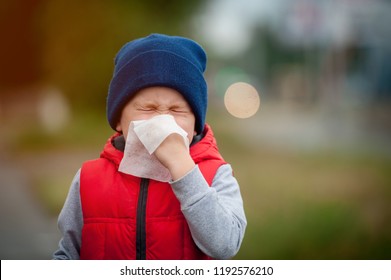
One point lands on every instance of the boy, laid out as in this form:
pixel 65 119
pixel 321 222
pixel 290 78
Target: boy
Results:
pixel 199 213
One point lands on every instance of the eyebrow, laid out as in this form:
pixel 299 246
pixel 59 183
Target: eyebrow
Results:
pixel 144 104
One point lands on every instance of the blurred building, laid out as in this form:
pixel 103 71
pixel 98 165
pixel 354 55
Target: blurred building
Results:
pixel 335 49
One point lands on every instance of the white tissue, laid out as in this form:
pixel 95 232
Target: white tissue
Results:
pixel 143 138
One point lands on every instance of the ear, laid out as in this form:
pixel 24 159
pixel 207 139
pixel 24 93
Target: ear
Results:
pixel 119 127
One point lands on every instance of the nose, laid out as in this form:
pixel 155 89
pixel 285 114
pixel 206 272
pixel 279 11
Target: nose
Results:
pixel 163 112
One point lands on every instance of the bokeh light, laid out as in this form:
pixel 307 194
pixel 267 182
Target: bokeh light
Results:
pixel 242 100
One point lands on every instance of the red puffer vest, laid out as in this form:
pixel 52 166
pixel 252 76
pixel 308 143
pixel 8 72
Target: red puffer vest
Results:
pixel 127 217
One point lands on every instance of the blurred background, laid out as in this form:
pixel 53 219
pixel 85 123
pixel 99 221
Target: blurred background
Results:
pixel 314 163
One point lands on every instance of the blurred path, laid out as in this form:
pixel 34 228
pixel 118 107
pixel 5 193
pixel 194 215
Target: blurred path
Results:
pixel 26 231
pixel 317 128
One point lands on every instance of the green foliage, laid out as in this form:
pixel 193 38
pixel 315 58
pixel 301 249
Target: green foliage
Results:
pixel 88 129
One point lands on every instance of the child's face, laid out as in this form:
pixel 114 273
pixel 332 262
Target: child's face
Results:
pixel 152 101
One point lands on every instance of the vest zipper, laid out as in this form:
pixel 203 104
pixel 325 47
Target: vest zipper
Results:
pixel 141 219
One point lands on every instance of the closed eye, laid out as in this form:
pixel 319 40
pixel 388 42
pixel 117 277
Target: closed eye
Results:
pixel 146 109
pixel 179 109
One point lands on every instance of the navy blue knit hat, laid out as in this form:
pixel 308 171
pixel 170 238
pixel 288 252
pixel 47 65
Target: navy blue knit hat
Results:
pixel 159 60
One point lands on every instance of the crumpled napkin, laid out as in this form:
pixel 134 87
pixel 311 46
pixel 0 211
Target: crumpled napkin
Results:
pixel 143 138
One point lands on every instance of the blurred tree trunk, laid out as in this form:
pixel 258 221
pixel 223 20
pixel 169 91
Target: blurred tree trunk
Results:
pixel 19 49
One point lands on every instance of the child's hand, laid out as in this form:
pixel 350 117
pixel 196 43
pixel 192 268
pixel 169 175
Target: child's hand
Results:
pixel 174 155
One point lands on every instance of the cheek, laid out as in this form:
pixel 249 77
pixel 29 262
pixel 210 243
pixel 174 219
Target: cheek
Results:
pixel 124 125
pixel 125 133
pixel 188 126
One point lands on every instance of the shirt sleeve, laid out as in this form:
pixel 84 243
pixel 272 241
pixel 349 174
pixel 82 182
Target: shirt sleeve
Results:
pixel 70 224
pixel 215 214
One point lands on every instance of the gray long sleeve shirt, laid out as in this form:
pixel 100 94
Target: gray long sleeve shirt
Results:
pixel 219 235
